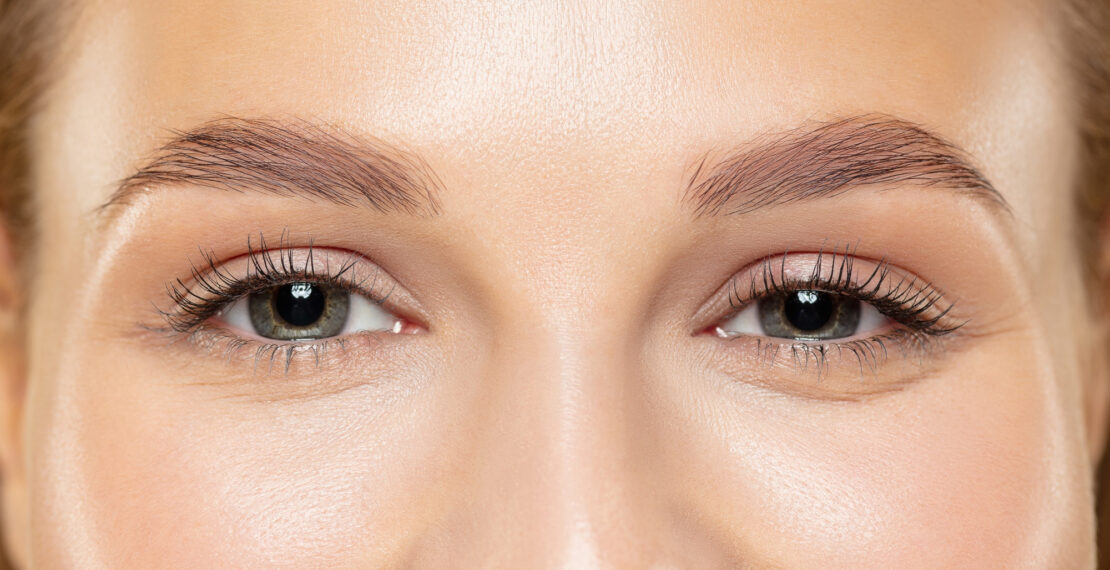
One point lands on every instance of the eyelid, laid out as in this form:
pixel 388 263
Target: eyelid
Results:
pixel 222 282
pixel 849 369
pixel 840 272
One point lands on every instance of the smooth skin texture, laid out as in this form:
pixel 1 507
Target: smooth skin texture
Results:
pixel 561 406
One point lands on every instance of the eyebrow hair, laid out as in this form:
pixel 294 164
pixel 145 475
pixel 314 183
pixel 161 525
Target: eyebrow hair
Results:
pixel 826 159
pixel 294 158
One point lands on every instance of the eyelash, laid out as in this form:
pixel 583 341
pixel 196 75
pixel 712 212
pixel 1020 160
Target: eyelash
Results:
pixel 214 289
pixel 919 307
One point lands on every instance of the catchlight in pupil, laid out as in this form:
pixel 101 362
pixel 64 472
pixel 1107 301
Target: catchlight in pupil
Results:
pixel 305 311
pixel 804 314
pixel 808 310
pixel 300 304
pixel 816 310
pixel 301 290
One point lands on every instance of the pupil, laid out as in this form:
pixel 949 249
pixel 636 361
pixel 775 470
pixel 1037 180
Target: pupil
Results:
pixel 300 304
pixel 809 310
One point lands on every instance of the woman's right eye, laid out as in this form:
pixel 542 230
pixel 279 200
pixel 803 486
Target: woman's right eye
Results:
pixel 307 311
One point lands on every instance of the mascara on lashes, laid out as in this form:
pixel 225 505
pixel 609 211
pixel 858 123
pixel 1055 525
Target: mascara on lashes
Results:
pixel 919 308
pixel 211 288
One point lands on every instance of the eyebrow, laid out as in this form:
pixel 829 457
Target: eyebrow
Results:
pixel 292 158
pixel 827 159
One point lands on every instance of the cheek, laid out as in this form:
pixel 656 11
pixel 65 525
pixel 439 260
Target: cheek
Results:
pixel 193 476
pixel 967 468
pixel 190 487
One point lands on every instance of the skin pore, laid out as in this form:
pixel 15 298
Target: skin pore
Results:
pixel 564 210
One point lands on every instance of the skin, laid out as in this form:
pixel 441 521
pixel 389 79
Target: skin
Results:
pixel 558 406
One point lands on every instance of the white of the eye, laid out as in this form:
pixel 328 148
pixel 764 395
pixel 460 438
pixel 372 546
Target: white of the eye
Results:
pixel 870 319
pixel 365 315
pixel 362 315
pixel 238 315
pixel 747 322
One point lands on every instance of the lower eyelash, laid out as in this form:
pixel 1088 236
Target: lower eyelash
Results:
pixel 924 319
pixel 268 356
pixel 868 354
pixel 213 288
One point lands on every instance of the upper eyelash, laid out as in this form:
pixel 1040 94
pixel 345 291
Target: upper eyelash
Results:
pixel 215 288
pixel 919 306
pixel 908 301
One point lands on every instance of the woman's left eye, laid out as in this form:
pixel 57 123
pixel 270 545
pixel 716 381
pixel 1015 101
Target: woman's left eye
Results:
pixel 805 315
pixel 302 311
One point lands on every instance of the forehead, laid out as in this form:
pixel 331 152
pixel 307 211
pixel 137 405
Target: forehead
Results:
pixel 564 86
pixel 447 67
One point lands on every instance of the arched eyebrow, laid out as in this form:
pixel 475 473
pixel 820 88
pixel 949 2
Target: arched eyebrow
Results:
pixel 294 158
pixel 827 159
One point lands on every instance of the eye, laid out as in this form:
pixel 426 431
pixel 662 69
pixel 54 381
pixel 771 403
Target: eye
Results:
pixel 304 310
pixel 806 315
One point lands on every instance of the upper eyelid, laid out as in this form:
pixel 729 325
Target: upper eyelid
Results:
pixel 260 266
pixel 769 275
pixel 772 269
pixel 212 285
pixel 877 281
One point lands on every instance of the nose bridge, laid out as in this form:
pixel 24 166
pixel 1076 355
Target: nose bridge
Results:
pixel 563 470
pixel 559 468
pixel 557 461
pixel 550 482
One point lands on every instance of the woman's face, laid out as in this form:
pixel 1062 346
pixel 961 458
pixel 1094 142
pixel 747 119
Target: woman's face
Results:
pixel 753 284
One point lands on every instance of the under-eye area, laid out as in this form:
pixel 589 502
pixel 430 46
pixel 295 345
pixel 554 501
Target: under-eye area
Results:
pixel 277 305
pixel 831 315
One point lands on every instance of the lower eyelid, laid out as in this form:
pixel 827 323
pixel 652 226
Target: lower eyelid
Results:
pixel 840 370
pixel 298 362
